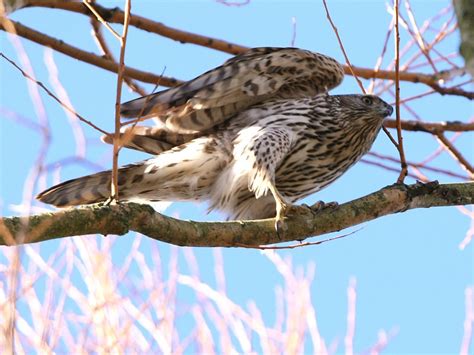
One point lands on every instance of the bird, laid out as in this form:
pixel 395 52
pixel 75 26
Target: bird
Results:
pixel 251 137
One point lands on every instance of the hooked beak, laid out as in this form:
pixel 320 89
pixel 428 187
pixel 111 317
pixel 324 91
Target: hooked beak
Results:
pixel 388 111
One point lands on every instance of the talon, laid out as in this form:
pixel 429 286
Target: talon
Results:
pixel 321 205
pixel 110 201
pixel 280 225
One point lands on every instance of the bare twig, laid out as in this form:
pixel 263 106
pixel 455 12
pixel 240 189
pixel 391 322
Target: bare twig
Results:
pixel 100 18
pixel 403 163
pixel 351 70
pixel 378 64
pixel 300 244
pixel 41 85
pixel 433 91
pixel 123 43
pixel 63 96
pixel 102 44
pixel 351 316
pixel 116 16
pixel 390 168
pixel 420 166
pixel 431 127
pixel 416 34
pixel 468 320
pixel 348 62
pixel 88 57
pixel 456 154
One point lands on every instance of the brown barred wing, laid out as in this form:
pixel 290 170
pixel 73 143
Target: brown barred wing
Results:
pixel 253 77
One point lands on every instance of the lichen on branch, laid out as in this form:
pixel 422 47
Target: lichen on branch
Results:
pixel 123 218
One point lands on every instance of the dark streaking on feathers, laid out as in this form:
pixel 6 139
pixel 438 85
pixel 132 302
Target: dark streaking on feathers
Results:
pixel 251 137
pixel 255 76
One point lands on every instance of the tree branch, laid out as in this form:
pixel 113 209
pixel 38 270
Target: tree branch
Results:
pixel 116 15
pixel 112 65
pixel 431 127
pixel 88 57
pixel 122 218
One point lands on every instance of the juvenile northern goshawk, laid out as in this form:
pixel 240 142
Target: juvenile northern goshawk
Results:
pixel 251 137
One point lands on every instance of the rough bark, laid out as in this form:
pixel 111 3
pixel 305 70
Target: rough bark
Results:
pixel 122 218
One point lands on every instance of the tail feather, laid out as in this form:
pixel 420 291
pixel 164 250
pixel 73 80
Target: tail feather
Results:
pixel 82 191
pixel 93 188
pixel 183 173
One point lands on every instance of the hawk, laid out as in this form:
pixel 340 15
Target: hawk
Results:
pixel 251 137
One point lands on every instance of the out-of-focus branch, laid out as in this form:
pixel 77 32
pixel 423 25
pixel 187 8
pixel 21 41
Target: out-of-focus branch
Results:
pixel 115 15
pixel 148 77
pixel 401 151
pixel 431 127
pixel 456 154
pixel 89 57
pixel 465 14
pixel 349 67
pixel 96 23
pixel 122 218
pixel 104 47
pixel 417 166
pixel 42 86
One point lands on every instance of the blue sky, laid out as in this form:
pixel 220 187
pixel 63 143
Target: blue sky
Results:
pixel 410 273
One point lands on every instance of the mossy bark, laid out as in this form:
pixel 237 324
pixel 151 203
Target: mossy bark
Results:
pixel 122 218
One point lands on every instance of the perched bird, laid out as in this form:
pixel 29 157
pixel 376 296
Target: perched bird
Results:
pixel 252 137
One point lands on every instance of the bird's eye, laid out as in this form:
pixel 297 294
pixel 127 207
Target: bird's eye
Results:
pixel 367 100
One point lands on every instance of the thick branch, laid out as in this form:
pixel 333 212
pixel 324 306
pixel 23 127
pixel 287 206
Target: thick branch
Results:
pixel 120 219
pixel 115 15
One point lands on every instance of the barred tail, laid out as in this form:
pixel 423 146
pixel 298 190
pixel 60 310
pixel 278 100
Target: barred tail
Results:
pixel 81 191
pixel 180 174
pixel 89 189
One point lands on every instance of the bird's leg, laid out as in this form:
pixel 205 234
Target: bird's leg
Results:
pixel 281 208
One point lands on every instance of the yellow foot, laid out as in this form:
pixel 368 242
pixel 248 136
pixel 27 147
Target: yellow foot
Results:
pixel 289 210
pixel 280 225
pixel 111 201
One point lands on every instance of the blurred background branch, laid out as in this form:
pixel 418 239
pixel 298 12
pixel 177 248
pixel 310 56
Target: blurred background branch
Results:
pixel 465 14
pixel 115 15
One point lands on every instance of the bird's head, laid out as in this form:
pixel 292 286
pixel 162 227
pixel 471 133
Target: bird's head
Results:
pixel 368 107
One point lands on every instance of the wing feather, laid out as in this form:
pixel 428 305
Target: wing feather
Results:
pixel 152 140
pixel 244 80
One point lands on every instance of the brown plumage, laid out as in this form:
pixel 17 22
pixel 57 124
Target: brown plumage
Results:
pixel 251 137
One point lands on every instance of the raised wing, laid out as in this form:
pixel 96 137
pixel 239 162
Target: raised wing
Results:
pixel 152 140
pixel 244 80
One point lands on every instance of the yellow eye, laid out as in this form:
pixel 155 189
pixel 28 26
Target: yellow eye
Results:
pixel 367 100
